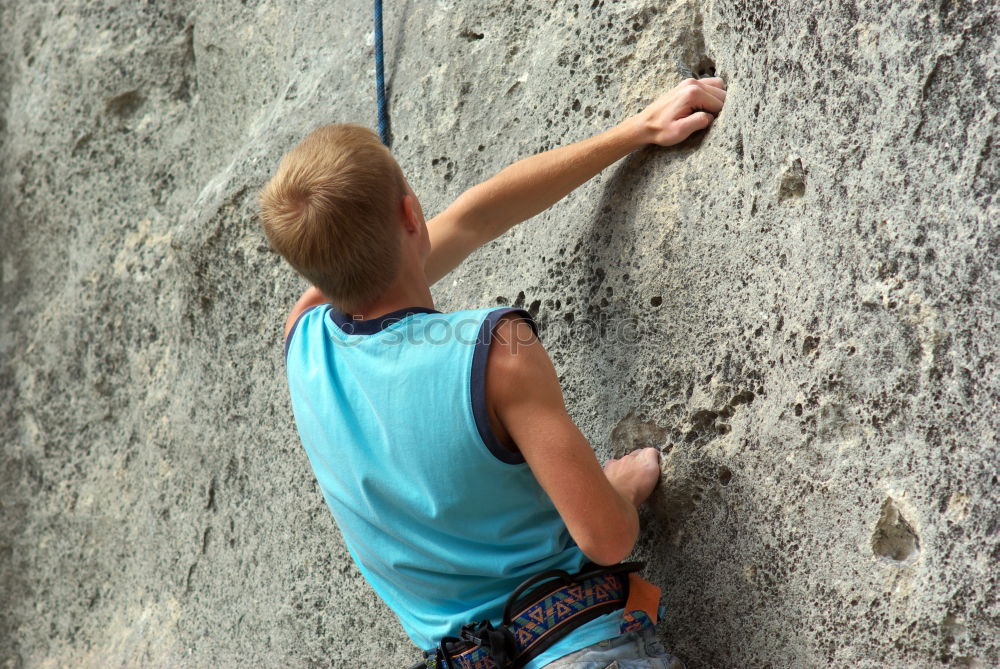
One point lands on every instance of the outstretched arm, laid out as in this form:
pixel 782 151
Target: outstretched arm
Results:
pixel 531 185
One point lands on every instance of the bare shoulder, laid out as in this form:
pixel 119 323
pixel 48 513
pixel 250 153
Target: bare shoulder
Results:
pixel 512 336
pixel 518 368
pixel 515 350
pixel 309 299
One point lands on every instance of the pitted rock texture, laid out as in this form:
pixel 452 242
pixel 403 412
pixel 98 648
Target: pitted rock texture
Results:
pixel 800 307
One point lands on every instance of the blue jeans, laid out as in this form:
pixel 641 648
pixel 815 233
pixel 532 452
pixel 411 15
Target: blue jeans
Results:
pixel 634 650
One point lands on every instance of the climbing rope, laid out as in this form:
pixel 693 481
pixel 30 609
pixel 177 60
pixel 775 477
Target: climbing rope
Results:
pixel 383 107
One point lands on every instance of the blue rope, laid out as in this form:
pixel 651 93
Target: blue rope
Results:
pixel 383 107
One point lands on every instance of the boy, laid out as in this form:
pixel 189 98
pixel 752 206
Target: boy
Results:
pixel 440 441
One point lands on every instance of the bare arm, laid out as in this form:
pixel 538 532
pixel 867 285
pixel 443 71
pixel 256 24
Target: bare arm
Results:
pixel 533 184
pixel 598 507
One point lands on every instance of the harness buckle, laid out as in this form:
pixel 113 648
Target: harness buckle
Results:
pixel 498 642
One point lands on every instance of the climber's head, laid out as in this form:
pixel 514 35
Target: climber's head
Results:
pixel 334 210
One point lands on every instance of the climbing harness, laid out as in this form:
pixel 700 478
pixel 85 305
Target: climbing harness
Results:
pixel 556 603
pixel 383 106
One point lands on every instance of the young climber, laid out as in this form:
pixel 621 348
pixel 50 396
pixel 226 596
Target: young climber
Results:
pixel 440 441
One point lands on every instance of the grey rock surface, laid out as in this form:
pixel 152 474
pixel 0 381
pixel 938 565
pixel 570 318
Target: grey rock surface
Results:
pixel 800 307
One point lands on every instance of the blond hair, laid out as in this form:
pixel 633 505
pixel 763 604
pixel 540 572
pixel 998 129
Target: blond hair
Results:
pixel 331 210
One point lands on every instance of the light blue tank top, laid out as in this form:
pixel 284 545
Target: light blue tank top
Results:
pixel 441 518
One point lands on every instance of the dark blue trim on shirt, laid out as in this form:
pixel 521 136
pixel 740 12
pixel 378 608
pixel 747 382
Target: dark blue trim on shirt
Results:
pixel 478 384
pixel 377 324
pixel 288 339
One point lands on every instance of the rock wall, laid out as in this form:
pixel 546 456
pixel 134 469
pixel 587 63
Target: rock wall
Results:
pixel 800 307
